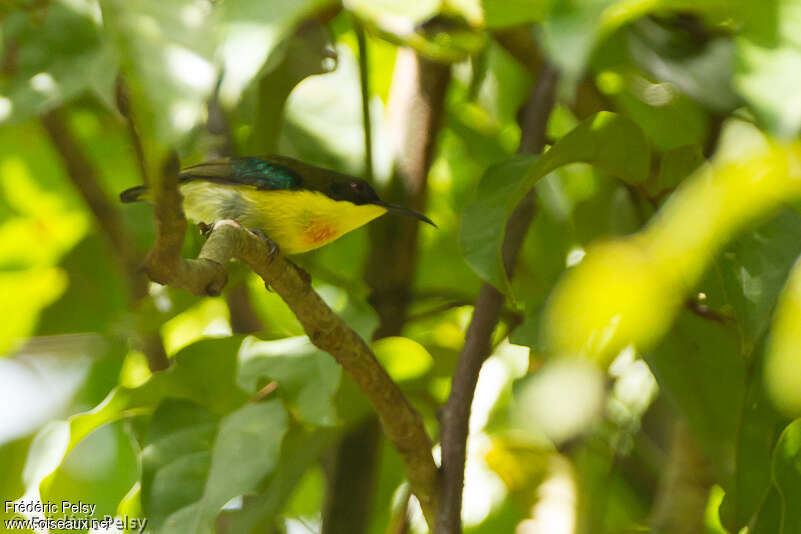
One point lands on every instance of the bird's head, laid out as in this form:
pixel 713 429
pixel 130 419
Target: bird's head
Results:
pixel 359 192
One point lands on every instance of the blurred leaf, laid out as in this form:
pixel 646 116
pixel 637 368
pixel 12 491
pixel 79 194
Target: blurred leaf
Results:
pixel 166 51
pixel 696 349
pixel 500 13
pixel 94 286
pixel 787 476
pixel 307 378
pixel 57 55
pixel 782 363
pixel 251 33
pixel 193 463
pixel 608 141
pixel 768 70
pixel 636 285
pixel 99 470
pixel 703 73
pixel 403 358
pixel 25 294
pixel 203 372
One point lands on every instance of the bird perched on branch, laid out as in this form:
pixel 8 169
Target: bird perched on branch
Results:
pixel 300 207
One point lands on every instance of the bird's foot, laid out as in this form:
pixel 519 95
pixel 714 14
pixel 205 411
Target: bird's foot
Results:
pixel 271 245
pixel 205 229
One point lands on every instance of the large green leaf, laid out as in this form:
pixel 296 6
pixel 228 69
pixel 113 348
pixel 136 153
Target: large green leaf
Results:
pixel 58 54
pixel 166 51
pixel 202 372
pixel 194 462
pixel 695 350
pixel 300 449
pixel 756 438
pixel 608 141
pixel 307 378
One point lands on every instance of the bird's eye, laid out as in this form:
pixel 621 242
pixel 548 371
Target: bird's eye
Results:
pixel 357 186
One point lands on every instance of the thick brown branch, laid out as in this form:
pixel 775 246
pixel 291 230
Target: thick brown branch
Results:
pixel 83 175
pixel 207 274
pixel 488 307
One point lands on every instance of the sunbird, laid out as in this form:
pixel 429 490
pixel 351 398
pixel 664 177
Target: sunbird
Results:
pixel 300 207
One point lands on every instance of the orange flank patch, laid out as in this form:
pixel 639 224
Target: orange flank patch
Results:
pixel 319 232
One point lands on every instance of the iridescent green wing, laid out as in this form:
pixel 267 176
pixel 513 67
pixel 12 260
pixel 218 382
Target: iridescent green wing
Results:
pixel 260 173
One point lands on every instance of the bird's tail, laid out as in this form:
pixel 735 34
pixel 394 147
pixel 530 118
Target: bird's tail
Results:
pixel 134 194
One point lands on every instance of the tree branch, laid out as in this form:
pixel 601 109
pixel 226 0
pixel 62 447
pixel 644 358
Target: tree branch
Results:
pixel 83 175
pixel 206 275
pixel 487 311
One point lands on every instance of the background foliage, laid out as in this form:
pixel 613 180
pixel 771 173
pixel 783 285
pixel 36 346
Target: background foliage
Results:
pixel 646 368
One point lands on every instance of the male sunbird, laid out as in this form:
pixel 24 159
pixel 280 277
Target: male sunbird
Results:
pixel 298 206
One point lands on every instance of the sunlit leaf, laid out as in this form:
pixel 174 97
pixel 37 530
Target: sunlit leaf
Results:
pixel 305 377
pixel 610 142
pixel 25 294
pixel 402 357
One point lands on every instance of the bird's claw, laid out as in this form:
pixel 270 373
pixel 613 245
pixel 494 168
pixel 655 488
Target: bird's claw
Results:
pixel 205 229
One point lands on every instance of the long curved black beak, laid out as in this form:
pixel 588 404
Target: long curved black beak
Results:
pixel 402 210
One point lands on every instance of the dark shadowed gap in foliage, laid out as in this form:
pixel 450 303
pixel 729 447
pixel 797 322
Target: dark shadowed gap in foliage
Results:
pixel 456 412
pixel 415 110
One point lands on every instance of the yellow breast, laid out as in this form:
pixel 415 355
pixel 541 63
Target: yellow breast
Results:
pixel 298 221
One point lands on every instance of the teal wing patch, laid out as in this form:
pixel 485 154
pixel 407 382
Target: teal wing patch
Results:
pixel 257 172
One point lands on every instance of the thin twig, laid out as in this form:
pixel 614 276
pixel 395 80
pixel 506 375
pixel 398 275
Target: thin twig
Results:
pixel 456 412
pixel 207 275
pixel 84 176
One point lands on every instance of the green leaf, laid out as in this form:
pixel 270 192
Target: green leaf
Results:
pixel 768 70
pixel 759 429
pixel 676 165
pixel 300 450
pixel 608 141
pixel 60 54
pixel 501 13
pixel 307 378
pixel 193 462
pixel 695 350
pixel 753 271
pixel 252 31
pixel 166 51
pixel 203 372
pixel 787 476
pixel 403 358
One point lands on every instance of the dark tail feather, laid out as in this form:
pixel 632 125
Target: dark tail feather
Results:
pixel 133 194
